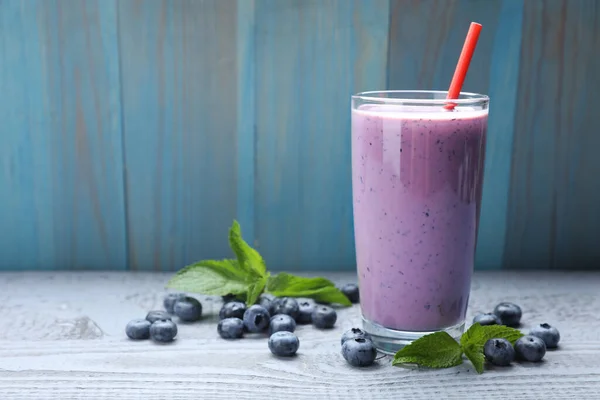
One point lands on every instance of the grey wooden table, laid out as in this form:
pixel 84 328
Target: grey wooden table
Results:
pixel 62 337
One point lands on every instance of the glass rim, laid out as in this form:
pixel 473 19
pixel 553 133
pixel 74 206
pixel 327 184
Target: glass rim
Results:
pixel 373 96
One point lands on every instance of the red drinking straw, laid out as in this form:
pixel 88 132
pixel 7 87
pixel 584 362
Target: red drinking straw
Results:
pixel 463 63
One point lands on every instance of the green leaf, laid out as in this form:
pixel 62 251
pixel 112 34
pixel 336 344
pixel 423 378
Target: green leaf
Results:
pixel 473 340
pixel 477 335
pixel 320 289
pixel 212 277
pixel 327 294
pixel 296 283
pixel 436 350
pixel 249 259
pixel 475 355
pixel 255 290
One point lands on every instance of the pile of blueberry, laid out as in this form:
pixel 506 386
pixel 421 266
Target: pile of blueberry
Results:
pixel 277 316
pixel 531 347
pixel 158 325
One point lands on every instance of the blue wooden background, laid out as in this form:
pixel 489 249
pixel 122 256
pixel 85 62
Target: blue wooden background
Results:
pixel 132 132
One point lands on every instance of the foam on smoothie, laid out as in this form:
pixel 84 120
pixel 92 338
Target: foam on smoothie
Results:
pixel 404 111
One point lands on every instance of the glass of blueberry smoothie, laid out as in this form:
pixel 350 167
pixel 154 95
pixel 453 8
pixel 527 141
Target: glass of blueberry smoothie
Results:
pixel 417 174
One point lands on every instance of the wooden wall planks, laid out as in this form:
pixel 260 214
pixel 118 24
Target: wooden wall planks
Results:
pixel 246 110
pixel 503 92
pixel 134 131
pixel 62 203
pixel 423 55
pixel 554 214
pixel 310 57
pixel 178 73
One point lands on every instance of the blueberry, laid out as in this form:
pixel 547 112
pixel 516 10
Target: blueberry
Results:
pixel 233 309
pixel 487 319
pixel 283 344
pixel 547 333
pixel 273 304
pixel 509 314
pixel 355 333
pixel 170 300
pixel 256 318
pixel 188 309
pixel 359 352
pixel 138 329
pixel 286 305
pixel 163 330
pixel 305 310
pixel 266 300
pixel 229 297
pixel 324 317
pixel 351 292
pixel 530 348
pixel 499 352
pixel 231 328
pixel 154 316
pixel 280 323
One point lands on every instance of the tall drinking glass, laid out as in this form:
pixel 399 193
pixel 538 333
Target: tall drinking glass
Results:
pixel 417 175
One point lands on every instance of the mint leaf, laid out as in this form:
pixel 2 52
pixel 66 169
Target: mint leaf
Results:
pixel 320 289
pixel 473 340
pixel 249 259
pixel 477 335
pixel 329 294
pixel 255 290
pixel 247 277
pixel 475 355
pixel 439 350
pixel 212 277
pixel 296 283
pixel 436 350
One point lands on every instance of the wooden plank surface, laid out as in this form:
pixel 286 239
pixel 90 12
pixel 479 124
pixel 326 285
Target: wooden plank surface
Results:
pixel 178 69
pixel 61 174
pixel 554 218
pixel 311 56
pixel 56 343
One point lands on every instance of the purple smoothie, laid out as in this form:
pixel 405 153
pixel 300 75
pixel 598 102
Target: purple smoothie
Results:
pixel 417 176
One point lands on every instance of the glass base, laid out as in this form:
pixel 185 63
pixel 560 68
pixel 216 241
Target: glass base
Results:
pixel 389 341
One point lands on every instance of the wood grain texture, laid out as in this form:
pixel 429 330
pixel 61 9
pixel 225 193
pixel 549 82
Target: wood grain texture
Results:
pixel 424 55
pixel 56 343
pixel 246 116
pixel 503 92
pixel 61 179
pixel 134 132
pixel 554 218
pixel 178 69
pixel 311 56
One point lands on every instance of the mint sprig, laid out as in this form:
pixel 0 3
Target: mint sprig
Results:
pixel 212 277
pixel 320 289
pixel 440 350
pixel 437 350
pixel 247 277
pixel 250 260
pixel 473 340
